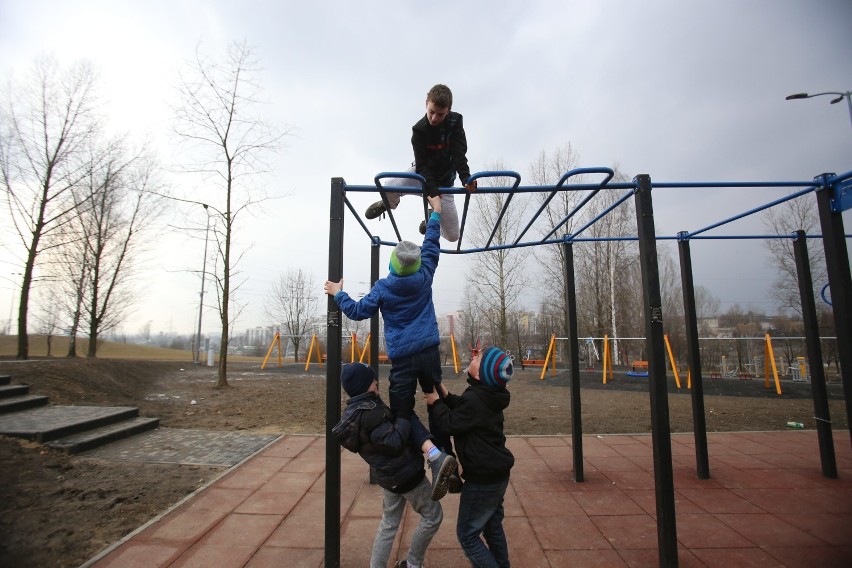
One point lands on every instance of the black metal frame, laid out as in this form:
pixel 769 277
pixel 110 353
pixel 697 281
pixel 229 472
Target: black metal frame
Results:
pixel 837 263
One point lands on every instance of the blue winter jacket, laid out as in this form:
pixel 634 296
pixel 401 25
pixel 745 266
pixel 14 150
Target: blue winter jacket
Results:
pixel 405 301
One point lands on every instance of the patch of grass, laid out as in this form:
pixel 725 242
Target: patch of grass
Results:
pixel 106 350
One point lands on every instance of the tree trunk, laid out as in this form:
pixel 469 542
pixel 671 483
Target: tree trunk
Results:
pixel 23 305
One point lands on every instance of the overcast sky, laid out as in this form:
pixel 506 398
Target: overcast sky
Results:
pixel 682 91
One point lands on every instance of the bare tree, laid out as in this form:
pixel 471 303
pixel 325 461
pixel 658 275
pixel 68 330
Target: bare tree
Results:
pixel 48 319
pixel 67 268
pixel 607 274
pixel 228 144
pixel 604 267
pixel 548 170
pixel 471 319
pixel 46 124
pixel 498 276
pixel 122 205
pixel 784 220
pixel 292 303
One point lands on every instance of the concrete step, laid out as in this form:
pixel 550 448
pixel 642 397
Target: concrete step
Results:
pixel 7 391
pixel 54 422
pixel 5 379
pixel 95 437
pixel 19 403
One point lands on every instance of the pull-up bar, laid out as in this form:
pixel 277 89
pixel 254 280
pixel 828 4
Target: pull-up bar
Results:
pixel 834 194
pixel 840 183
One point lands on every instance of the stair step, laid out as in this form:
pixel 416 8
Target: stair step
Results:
pixel 5 379
pixel 7 391
pixel 95 437
pixel 14 404
pixel 54 422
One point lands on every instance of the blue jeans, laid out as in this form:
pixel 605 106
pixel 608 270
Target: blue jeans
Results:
pixel 481 513
pixel 424 368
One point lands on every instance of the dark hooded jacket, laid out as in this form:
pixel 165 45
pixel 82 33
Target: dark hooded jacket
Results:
pixel 475 420
pixel 369 429
pixel 440 151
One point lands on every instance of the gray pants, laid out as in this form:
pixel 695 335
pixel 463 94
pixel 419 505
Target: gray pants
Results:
pixel 449 213
pixel 431 515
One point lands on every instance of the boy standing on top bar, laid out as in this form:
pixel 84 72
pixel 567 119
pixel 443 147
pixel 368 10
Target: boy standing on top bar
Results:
pixel 440 150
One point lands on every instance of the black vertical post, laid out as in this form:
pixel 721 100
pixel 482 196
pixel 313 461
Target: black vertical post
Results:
pixel 334 349
pixel 821 413
pixel 840 281
pixel 374 321
pixel 574 361
pixel 699 421
pixel 374 326
pixel 655 348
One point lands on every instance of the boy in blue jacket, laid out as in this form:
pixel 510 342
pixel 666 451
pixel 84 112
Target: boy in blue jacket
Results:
pixel 411 332
pixel 475 420
pixel 391 446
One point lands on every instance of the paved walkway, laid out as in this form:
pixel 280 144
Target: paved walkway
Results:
pixel 767 504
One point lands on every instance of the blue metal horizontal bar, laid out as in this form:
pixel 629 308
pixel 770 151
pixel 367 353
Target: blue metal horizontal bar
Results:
pixel 808 187
pixel 754 210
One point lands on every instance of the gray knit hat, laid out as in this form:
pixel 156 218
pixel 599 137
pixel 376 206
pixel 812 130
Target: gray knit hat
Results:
pixel 405 259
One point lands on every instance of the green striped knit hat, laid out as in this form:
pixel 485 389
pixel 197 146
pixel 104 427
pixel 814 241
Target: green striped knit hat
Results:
pixel 405 259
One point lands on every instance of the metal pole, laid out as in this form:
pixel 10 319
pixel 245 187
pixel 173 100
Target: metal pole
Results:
pixel 837 266
pixel 821 412
pixel 699 421
pixel 574 358
pixel 332 387
pixel 374 321
pixel 661 439
pixel 197 354
pixel 849 104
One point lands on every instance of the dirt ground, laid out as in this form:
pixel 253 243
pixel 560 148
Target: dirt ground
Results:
pixel 58 510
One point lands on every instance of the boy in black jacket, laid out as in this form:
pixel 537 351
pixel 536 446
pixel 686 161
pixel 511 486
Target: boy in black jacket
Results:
pixel 391 446
pixel 475 420
pixel 440 150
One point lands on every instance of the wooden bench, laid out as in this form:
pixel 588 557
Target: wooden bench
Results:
pixel 534 363
pixel 639 366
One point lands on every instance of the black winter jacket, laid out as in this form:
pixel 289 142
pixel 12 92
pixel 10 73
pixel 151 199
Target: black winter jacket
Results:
pixel 369 428
pixel 475 420
pixel 440 151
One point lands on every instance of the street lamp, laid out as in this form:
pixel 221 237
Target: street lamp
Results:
pixel 838 97
pixel 201 295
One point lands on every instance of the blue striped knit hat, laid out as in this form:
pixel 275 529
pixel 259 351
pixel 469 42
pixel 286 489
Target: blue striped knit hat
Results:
pixel 495 367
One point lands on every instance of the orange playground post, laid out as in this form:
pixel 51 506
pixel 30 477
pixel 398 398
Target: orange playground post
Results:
pixel 276 340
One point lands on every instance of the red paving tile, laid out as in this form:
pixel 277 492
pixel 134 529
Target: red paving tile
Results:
pixel 766 504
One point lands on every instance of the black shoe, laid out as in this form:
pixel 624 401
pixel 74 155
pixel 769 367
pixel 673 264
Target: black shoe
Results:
pixel 401 564
pixel 423 224
pixel 374 210
pixel 454 483
pixel 443 466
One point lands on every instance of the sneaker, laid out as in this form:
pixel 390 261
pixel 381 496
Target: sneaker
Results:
pixel 374 210
pixel 401 564
pixel 423 223
pixel 443 466
pixel 454 483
